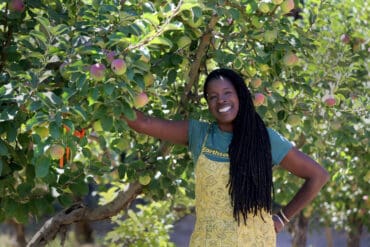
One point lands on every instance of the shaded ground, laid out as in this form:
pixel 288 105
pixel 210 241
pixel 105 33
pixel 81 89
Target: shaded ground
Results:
pixel 183 229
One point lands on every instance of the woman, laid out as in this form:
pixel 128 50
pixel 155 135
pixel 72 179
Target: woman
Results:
pixel 234 158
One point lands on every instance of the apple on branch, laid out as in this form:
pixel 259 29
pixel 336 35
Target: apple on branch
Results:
pixel 141 100
pixel 290 59
pixel 259 98
pixel 286 6
pixel 256 82
pixel 16 5
pixel 270 35
pixel 56 151
pixel 97 72
pixel 330 101
pixel 118 66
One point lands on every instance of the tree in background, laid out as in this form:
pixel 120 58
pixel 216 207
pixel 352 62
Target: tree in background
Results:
pixel 70 69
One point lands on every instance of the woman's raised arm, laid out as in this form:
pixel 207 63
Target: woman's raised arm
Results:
pixel 174 131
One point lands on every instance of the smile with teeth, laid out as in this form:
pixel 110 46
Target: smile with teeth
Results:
pixel 224 109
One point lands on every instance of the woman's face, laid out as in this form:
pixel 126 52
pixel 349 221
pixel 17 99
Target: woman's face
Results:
pixel 223 102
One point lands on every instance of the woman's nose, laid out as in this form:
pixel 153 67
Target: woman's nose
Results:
pixel 222 98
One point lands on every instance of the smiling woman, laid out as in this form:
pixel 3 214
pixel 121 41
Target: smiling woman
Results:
pixel 233 159
pixel 223 102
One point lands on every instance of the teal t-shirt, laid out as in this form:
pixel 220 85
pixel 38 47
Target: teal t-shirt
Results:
pixel 217 143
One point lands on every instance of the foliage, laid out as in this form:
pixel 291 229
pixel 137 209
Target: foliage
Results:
pixel 49 95
pixel 148 226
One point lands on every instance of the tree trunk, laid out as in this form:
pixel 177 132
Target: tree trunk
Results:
pixel 354 235
pixel 83 232
pixel 20 234
pixel 298 229
pixel 329 236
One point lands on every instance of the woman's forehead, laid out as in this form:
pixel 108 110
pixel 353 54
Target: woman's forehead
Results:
pixel 219 83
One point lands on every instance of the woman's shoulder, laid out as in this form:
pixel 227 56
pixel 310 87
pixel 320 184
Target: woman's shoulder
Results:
pixel 275 135
pixel 280 145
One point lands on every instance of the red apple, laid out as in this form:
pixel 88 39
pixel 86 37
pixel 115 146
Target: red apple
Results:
pixel 290 59
pixel 256 82
pixel 56 151
pixel 259 98
pixel 287 6
pixel 330 101
pixel 141 100
pixel 97 72
pixel 345 38
pixel 16 5
pixel 118 66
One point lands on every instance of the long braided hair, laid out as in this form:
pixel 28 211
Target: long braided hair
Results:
pixel 250 182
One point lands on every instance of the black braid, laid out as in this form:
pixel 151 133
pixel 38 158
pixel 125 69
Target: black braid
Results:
pixel 250 183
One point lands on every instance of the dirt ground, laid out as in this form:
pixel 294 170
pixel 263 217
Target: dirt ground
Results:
pixel 183 229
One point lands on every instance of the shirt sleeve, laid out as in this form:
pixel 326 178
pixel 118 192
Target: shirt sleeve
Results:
pixel 280 146
pixel 196 133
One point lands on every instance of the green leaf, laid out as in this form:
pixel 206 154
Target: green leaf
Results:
pixel 65 200
pixel 80 111
pixel 161 41
pixel 40 36
pixel 12 133
pixel 128 111
pixel 42 166
pixel 50 98
pixel 1 166
pixel 109 88
pixel 55 130
pixel 153 18
pixel 107 123
pixel 121 171
pixel 3 148
pixel 79 188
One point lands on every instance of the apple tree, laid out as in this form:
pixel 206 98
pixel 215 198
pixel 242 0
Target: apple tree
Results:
pixel 69 71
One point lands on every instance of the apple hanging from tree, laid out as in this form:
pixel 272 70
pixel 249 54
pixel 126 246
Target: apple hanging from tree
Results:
pixel 256 82
pixel 264 7
pixel 148 79
pixel 97 72
pixel 277 85
pixel 345 38
pixel 141 100
pixel 330 101
pixel 118 66
pixel 290 59
pixel 144 180
pixel 286 6
pixel 56 151
pixel 259 98
pixel 16 5
pixel 270 35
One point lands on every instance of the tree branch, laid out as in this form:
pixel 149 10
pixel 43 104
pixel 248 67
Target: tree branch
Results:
pixel 195 67
pixel 79 212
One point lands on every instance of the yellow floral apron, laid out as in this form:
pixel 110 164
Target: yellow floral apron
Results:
pixel 215 225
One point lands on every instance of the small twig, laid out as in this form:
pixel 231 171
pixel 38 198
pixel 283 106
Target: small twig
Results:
pixel 159 32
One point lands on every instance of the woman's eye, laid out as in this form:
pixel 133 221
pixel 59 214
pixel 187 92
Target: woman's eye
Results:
pixel 212 97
